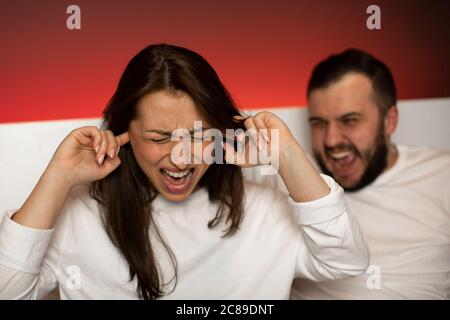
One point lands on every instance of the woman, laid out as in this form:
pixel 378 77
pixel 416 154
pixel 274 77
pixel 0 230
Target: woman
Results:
pixel 114 216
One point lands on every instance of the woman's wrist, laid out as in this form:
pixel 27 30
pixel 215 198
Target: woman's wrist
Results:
pixel 45 201
pixel 291 157
pixel 302 180
pixel 61 179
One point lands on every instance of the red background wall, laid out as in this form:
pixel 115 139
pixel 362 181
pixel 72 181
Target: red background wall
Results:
pixel 264 51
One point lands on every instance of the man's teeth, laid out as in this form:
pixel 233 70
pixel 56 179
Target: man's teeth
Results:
pixel 340 155
pixel 179 174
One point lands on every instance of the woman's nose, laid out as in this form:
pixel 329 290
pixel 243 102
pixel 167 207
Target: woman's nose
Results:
pixel 180 154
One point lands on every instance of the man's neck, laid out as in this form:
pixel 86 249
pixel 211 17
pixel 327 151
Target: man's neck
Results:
pixel 392 156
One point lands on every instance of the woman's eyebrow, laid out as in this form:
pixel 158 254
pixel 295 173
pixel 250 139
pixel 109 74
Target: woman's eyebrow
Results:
pixel 159 131
pixel 168 133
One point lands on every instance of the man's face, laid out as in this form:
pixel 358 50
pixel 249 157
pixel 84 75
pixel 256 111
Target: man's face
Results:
pixel 348 136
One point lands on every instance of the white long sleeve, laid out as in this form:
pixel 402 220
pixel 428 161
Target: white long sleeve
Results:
pixel 405 217
pixel 23 275
pixel 278 240
pixel 332 246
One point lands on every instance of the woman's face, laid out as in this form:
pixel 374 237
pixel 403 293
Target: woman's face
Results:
pixel 158 115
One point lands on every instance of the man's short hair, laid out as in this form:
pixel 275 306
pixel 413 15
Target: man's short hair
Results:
pixel 336 66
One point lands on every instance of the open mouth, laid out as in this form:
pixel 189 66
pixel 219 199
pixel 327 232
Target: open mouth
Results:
pixel 177 182
pixel 342 161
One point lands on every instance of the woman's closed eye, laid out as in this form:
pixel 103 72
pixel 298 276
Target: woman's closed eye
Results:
pixel 198 139
pixel 165 140
pixel 158 140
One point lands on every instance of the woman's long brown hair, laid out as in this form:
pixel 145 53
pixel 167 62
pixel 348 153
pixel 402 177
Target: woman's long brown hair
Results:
pixel 126 194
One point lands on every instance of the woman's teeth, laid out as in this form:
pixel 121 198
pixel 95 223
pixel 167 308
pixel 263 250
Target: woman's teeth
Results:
pixel 179 174
pixel 177 182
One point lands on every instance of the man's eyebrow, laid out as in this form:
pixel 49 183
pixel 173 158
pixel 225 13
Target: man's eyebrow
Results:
pixel 316 119
pixel 350 114
pixel 346 115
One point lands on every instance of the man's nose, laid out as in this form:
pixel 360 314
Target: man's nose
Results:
pixel 333 135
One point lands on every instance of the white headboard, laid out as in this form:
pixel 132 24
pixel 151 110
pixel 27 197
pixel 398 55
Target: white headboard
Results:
pixel 26 148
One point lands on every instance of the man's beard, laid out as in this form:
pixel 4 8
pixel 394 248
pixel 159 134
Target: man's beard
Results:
pixel 376 163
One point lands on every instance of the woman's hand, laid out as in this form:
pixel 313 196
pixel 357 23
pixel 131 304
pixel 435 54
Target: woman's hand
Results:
pixel 87 154
pixel 270 136
pixel 267 135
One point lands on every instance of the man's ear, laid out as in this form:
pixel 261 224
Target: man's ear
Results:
pixel 391 120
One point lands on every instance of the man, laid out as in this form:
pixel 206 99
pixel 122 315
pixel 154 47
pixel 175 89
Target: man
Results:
pixel 400 195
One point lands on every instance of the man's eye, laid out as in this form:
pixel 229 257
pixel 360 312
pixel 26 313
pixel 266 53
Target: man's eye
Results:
pixel 317 124
pixel 350 121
